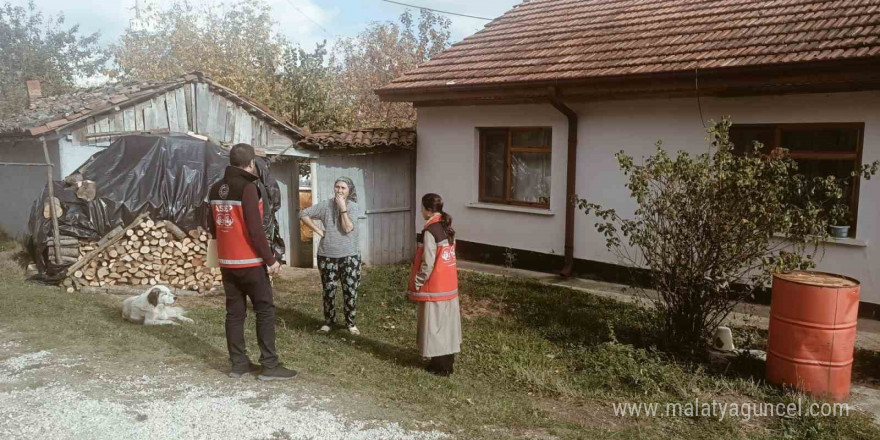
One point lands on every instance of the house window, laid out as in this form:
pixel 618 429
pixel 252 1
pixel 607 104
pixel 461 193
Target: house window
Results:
pixel 515 166
pixel 820 150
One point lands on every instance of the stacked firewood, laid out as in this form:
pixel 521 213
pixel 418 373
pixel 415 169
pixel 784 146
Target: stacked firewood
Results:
pixel 69 250
pixel 144 254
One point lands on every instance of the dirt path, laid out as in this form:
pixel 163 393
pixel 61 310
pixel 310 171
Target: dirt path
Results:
pixel 45 394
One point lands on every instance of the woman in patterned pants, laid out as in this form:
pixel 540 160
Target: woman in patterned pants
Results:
pixel 339 258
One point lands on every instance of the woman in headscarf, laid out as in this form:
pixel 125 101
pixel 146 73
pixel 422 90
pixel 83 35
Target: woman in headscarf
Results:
pixel 339 258
pixel 433 286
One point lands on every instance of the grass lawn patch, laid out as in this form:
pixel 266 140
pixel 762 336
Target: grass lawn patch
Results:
pixel 538 361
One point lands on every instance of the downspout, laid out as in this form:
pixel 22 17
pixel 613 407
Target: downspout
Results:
pixel 570 179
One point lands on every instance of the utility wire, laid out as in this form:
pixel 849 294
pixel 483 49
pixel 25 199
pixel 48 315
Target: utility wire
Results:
pixel 331 35
pixel 437 10
pixel 301 12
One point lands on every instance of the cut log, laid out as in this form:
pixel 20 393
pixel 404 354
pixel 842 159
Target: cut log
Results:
pixel 68 252
pixel 65 241
pixel 64 259
pixel 87 190
pixel 194 234
pixel 114 233
pixel 174 230
pixel 47 210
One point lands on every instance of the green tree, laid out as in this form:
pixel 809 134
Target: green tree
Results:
pixel 34 46
pixel 238 47
pixel 710 229
pixel 304 89
pixel 233 44
pixel 379 54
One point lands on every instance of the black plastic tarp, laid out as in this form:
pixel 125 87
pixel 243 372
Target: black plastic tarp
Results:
pixel 167 176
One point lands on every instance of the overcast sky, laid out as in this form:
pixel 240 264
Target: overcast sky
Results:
pixel 319 19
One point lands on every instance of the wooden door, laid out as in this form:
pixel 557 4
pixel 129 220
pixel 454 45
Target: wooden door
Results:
pixel 385 187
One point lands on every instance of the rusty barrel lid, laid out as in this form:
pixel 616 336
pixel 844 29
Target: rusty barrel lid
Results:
pixel 821 279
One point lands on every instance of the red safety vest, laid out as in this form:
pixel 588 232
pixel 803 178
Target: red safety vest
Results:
pixel 442 284
pixel 234 248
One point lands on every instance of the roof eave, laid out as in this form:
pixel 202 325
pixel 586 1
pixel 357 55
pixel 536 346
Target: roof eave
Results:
pixel 806 77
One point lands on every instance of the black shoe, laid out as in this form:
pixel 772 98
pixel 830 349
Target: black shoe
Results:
pixel 441 365
pixel 277 373
pixel 238 373
pixel 438 371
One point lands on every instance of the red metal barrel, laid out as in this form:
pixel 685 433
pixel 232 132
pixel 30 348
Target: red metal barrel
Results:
pixel 813 318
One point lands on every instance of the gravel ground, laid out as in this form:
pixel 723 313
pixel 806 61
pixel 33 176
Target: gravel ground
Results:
pixel 48 395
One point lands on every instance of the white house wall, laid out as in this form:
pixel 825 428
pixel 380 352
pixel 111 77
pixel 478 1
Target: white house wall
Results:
pixel 448 148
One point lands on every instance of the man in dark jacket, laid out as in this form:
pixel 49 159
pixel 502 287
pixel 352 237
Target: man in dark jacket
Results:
pixel 246 261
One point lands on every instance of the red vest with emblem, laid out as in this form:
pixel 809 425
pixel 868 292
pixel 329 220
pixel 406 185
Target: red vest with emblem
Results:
pixel 234 247
pixel 442 284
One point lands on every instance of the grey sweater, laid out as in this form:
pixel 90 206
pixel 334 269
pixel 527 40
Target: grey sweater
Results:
pixel 336 243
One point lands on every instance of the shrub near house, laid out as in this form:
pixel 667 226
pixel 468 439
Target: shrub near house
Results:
pixel 705 227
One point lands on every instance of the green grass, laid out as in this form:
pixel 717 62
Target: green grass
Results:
pixel 538 361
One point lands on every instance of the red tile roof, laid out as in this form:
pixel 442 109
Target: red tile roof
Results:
pixel 556 40
pixel 361 139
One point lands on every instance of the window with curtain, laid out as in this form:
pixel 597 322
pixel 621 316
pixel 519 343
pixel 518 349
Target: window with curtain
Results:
pixel 820 150
pixel 515 166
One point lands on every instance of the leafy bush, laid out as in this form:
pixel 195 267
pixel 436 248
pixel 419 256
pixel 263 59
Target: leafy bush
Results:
pixel 711 228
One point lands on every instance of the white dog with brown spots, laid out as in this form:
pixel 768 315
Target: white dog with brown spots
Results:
pixel 153 307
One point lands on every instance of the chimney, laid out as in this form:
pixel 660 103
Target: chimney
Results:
pixel 34 89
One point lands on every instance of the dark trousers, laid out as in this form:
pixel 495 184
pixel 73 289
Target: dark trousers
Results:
pixel 253 283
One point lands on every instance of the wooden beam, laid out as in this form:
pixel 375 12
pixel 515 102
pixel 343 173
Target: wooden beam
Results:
pixel 23 164
pixel 126 133
pixel 56 235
